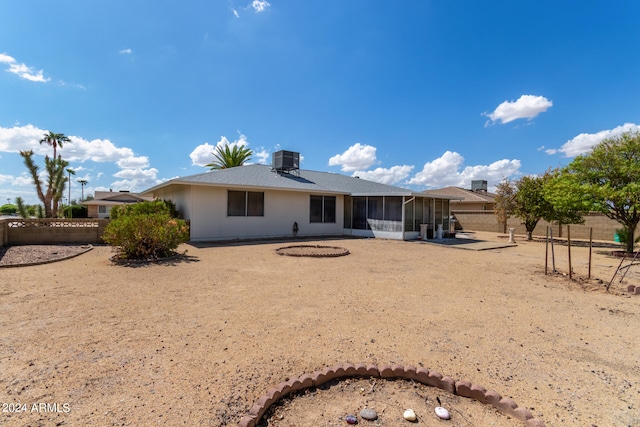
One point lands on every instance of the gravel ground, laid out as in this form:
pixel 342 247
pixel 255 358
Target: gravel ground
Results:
pixel 15 256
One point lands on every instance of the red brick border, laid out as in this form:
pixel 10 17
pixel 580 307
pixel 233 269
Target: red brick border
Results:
pixel 337 251
pixel 424 376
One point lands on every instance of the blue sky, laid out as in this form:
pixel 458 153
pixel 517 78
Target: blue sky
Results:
pixel 421 94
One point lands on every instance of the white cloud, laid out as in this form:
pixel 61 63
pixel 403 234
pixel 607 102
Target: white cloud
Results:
pixel 356 157
pixel 17 138
pixel 24 180
pixel 133 167
pixel 136 179
pixel 202 155
pixel 135 162
pixel 263 156
pixel 260 6
pixel 22 70
pixel 390 176
pixel 526 107
pixel 235 13
pixel 446 171
pixel 584 142
pixel 125 51
pixel 6 178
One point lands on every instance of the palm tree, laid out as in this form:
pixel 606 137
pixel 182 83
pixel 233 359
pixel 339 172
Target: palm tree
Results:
pixel 229 158
pixel 82 182
pixel 55 140
pixel 50 188
pixel 70 172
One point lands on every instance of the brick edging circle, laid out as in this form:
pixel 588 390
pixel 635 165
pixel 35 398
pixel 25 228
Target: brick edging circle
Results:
pixel 424 376
pixel 338 251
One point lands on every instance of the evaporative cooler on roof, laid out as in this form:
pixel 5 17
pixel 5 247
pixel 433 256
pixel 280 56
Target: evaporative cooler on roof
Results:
pixel 285 161
pixel 479 186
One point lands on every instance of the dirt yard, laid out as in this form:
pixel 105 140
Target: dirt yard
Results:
pixel 195 341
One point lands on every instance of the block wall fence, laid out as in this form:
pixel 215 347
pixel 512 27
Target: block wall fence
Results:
pixel 604 228
pixel 89 231
pixel 50 231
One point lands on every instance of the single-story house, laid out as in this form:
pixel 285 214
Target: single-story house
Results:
pixel 260 201
pixel 100 206
pixel 475 199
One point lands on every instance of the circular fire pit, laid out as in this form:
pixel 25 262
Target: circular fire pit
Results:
pixel 317 251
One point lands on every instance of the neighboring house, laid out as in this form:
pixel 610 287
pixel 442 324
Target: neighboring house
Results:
pixel 100 206
pixel 475 199
pixel 259 201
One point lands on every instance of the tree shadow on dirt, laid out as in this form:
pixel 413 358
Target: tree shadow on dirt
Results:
pixel 170 261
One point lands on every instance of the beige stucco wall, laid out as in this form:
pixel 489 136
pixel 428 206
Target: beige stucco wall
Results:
pixel 206 208
pixel 603 227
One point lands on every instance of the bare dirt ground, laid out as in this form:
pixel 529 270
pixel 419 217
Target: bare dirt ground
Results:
pixel 197 340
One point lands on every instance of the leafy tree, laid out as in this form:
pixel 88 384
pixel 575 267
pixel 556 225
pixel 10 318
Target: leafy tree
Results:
pixel 229 158
pixel 8 209
pixel 566 209
pixel 606 180
pixel 145 230
pixel 529 201
pixel 504 202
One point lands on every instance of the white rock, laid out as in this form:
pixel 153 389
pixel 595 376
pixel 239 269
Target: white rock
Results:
pixel 410 415
pixel 442 413
pixel 369 414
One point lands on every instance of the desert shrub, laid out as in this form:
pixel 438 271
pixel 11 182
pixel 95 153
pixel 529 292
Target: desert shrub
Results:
pixel 8 209
pixel 75 211
pixel 145 230
pixel 623 234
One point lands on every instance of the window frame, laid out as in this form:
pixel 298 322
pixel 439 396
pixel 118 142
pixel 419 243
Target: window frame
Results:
pixel 252 204
pixel 319 214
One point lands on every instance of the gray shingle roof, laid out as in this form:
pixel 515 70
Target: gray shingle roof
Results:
pixel 262 176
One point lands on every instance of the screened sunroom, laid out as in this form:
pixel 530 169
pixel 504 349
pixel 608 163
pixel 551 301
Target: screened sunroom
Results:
pixel 396 217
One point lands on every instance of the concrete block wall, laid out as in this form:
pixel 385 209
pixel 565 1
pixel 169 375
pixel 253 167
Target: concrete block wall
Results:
pixel 3 233
pixel 603 227
pixel 53 231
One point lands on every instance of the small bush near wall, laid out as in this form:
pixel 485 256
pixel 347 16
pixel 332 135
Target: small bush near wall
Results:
pixel 75 212
pixel 145 230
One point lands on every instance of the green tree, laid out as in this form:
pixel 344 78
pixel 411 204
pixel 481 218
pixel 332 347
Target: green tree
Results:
pixel 566 209
pixel 226 157
pixel 22 208
pixel 606 180
pixel 50 190
pixel 82 182
pixel 8 209
pixel 55 140
pixel 70 172
pixel 145 230
pixel 529 201
pixel 504 202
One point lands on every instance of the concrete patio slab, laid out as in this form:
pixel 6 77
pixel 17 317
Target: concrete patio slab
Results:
pixel 470 244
